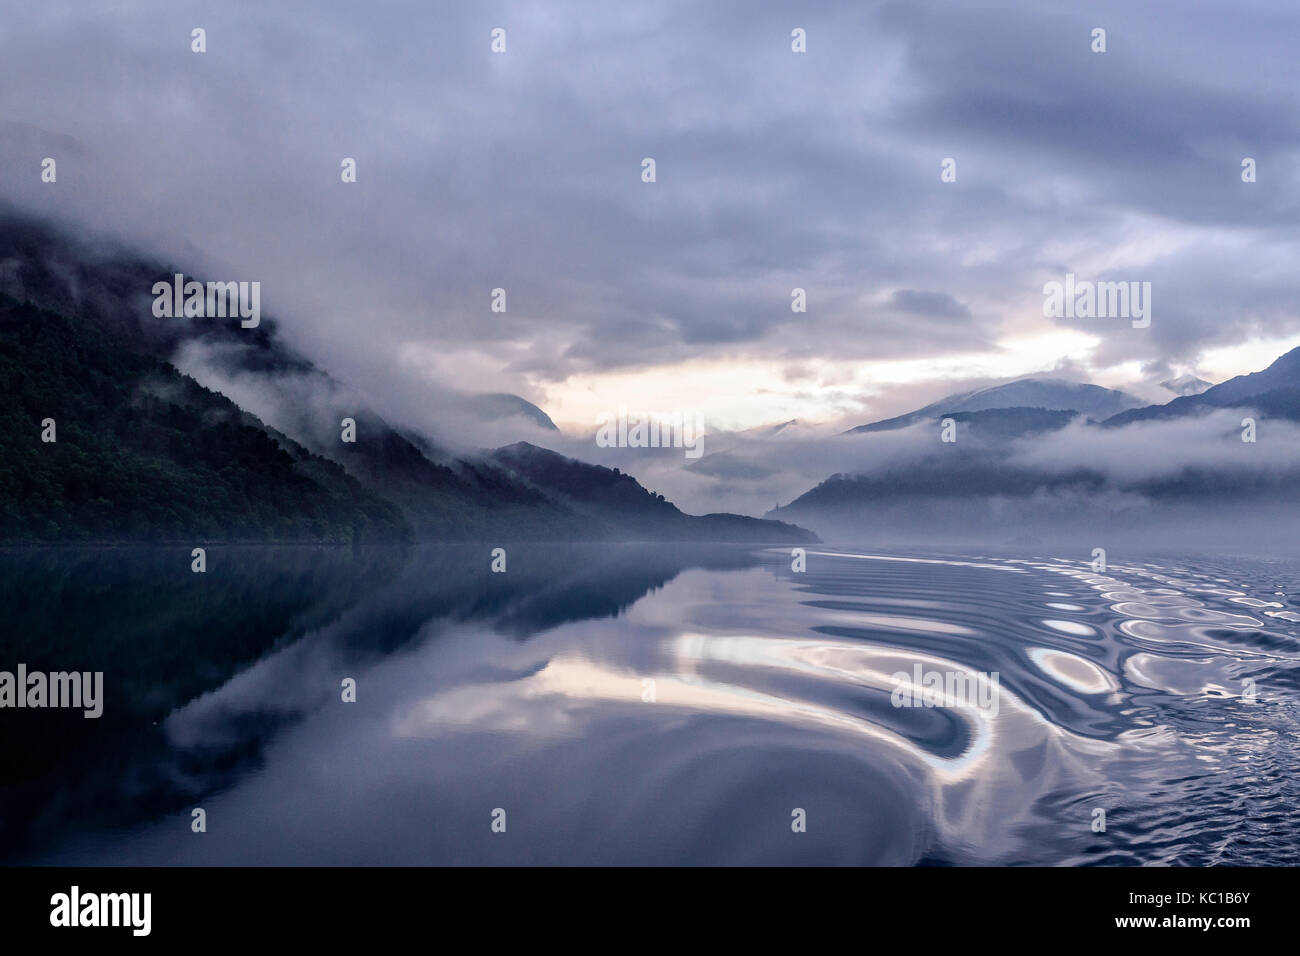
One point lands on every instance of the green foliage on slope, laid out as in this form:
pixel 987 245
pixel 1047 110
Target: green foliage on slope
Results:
pixel 145 453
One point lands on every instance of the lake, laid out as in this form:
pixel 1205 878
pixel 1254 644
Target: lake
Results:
pixel 646 704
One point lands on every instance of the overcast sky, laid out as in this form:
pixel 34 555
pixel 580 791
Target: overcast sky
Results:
pixel 775 170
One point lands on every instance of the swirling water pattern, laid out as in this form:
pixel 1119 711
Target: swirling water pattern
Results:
pixel 1163 695
pixel 694 721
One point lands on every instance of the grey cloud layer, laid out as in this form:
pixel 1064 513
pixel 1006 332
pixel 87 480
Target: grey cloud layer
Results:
pixel 775 170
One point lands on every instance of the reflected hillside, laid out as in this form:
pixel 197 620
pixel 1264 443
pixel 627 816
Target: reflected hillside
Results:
pixel 166 637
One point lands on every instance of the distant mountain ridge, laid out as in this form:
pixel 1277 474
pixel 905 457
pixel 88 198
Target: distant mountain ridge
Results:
pixel 619 500
pixel 1186 385
pixel 1050 394
pixel 982 478
pixel 504 405
pixel 1274 391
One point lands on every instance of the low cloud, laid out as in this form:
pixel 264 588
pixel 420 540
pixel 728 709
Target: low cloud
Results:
pixel 938 305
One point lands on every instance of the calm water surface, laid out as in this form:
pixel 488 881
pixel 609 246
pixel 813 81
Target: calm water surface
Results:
pixel 651 705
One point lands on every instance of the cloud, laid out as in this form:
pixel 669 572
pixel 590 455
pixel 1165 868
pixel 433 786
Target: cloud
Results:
pixel 938 305
pixel 1149 451
pixel 776 170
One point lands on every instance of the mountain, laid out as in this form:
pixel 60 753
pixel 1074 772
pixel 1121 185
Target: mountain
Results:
pixel 146 452
pixel 1002 424
pixel 619 501
pixel 1052 394
pixel 994 479
pixel 462 499
pixel 1186 385
pixel 744 455
pixel 143 452
pixel 784 428
pixel 730 466
pixel 1274 392
pixel 499 405
pixel 104 294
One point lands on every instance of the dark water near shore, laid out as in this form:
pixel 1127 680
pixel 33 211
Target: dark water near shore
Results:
pixel 645 704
